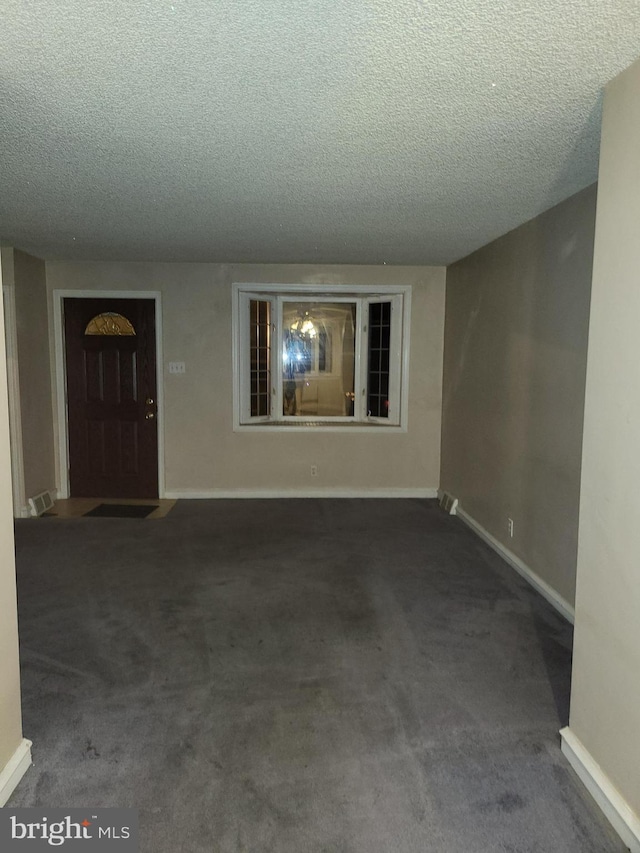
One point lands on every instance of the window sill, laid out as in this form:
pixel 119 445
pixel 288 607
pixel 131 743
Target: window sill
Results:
pixel 320 426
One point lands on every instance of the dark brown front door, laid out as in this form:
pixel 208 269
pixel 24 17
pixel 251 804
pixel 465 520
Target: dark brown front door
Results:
pixel 111 397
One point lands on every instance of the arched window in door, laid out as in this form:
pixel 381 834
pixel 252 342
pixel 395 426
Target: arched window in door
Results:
pixel 109 323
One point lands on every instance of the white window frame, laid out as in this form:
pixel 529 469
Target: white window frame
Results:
pixel 400 298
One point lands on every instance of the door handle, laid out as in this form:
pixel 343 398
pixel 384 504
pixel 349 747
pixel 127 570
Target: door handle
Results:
pixel 149 416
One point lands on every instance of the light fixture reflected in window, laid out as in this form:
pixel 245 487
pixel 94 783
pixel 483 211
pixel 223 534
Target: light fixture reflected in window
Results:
pixel 303 326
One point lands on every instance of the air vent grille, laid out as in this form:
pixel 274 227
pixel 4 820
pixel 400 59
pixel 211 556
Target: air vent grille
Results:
pixel 40 503
pixel 448 503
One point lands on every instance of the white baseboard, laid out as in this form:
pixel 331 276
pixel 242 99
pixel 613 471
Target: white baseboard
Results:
pixel 554 598
pixel 326 492
pixel 14 770
pixel 616 809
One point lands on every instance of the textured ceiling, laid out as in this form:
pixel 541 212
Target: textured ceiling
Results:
pixel 337 131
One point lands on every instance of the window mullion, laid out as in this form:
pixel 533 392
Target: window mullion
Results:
pixel 276 376
pixel 243 356
pixel 397 347
pixel 360 383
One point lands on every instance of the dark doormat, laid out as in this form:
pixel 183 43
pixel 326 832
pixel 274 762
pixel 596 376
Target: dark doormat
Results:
pixel 121 511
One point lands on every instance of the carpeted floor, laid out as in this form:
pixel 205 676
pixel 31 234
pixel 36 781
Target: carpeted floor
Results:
pixel 345 676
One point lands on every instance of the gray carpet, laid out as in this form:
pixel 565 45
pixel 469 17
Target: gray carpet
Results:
pixel 346 676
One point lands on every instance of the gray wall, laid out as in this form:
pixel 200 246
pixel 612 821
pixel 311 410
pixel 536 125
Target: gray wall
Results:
pixel 203 455
pixel 34 367
pixel 516 328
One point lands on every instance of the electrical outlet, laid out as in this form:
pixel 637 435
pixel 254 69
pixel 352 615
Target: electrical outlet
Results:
pixel 510 527
pixel 314 470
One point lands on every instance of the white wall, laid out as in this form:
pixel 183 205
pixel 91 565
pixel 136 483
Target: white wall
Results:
pixel 605 698
pixel 10 717
pixel 204 455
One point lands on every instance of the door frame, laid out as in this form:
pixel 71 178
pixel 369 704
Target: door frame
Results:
pixel 61 375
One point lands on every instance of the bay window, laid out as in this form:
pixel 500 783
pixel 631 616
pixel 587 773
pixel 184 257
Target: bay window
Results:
pixel 304 356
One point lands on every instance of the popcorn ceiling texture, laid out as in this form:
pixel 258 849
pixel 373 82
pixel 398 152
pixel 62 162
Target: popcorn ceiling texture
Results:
pixel 297 130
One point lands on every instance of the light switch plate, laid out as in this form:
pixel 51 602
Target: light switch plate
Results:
pixel 177 367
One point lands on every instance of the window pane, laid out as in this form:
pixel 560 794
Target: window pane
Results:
pixel 379 349
pixel 109 323
pixel 260 357
pixel 318 359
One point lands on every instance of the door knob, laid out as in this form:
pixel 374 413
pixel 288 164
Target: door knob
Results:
pixel 149 416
